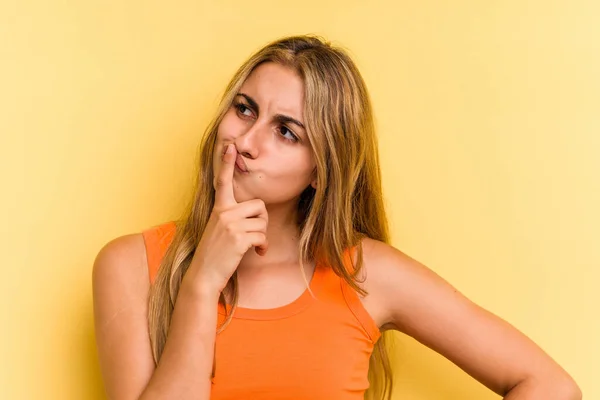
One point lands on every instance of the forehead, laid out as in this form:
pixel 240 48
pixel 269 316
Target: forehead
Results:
pixel 276 88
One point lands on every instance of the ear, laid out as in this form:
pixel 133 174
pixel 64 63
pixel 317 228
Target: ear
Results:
pixel 313 183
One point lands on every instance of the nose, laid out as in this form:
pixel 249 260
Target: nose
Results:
pixel 248 142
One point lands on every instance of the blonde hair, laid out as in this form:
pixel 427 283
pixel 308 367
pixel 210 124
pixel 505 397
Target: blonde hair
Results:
pixel 346 206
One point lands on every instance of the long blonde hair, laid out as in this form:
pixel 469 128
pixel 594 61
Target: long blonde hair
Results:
pixel 346 205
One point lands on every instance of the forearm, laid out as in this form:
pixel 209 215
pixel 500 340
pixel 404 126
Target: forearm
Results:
pixel 549 389
pixel 185 367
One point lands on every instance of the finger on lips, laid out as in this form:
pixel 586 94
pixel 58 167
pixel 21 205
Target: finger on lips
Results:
pixel 224 190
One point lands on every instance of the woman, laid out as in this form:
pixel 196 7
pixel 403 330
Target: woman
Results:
pixel 289 182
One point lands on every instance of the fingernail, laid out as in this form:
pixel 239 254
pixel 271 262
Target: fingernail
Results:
pixel 229 148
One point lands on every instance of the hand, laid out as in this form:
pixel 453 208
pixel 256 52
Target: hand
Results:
pixel 233 228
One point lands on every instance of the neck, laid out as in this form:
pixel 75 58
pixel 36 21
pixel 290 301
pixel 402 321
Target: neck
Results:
pixel 283 238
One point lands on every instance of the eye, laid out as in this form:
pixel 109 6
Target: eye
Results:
pixel 284 130
pixel 243 109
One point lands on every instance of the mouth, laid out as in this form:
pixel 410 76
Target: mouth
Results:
pixel 240 165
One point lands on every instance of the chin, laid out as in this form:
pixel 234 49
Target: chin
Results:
pixel 241 194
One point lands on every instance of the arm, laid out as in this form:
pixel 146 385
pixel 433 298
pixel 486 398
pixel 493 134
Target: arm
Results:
pixel 418 302
pixel 120 289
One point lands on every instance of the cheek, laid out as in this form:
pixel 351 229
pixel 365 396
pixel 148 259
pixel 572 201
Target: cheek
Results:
pixel 228 126
pixel 292 170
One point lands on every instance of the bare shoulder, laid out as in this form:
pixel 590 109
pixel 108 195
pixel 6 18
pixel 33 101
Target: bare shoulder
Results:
pixel 122 261
pixel 388 272
pixel 383 262
pixel 405 292
pixel 120 285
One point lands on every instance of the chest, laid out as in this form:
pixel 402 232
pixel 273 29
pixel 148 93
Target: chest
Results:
pixel 294 358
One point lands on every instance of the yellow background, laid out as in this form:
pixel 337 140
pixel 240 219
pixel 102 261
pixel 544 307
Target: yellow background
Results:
pixel 488 115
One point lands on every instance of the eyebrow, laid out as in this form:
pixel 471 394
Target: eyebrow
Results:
pixel 282 119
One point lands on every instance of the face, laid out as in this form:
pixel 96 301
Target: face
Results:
pixel 266 125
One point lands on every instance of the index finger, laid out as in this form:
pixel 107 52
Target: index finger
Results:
pixel 224 186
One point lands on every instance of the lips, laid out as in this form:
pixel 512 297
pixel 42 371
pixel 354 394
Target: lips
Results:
pixel 239 161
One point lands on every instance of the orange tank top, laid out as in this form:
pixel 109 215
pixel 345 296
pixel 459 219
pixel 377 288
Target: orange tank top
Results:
pixel 315 348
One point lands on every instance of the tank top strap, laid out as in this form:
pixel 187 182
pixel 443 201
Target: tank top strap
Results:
pixel 346 295
pixel 157 240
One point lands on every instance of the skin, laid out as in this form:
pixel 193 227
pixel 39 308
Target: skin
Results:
pixel 277 156
pixel 404 294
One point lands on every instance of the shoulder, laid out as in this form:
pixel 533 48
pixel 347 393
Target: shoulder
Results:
pixel 124 252
pixel 382 262
pixel 120 269
pixel 134 257
pixel 397 284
